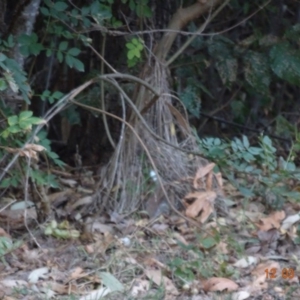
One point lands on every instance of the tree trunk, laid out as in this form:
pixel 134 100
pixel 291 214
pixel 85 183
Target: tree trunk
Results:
pixel 23 18
pixel 126 170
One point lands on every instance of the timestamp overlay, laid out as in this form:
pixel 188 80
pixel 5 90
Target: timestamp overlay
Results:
pixel 284 273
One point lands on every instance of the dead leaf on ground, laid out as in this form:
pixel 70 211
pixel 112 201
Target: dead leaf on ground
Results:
pixel 246 262
pixel 37 274
pixel 15 218
pixel 289 222
pixel 201 172
pixel 157 277
pixel 241 295
pixel 268 239
pixel 219 284
pixel 219 179
pixel 77 273
pixel 104 242
pixel 4 233
pixel 96 294
pixel 153 262
pixel 160 229
pixel 222 247
pixel 204 205
pixel 263 272
pixel 60 197
pixel 139 287
pixel 272 221
pixel 180 238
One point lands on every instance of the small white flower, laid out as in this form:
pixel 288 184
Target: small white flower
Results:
pixel 153 175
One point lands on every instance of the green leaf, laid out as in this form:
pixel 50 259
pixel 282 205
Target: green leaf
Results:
pixel 13 120
pixel 78 64
pixel 45 11
pixel 132 5
pixel 35 120
pixel 73 51
pixel 257 71
pixel 85 10
pixel 14 129
pixel 60 6
pixel 111 282
pixel 135 41
pixel 255 150
pixel 63 46
pixel 69 60
pixel 246 142
pixel 57 95
pixel 60 56
pixel 131 54
pixel 5 133
pixel 74 62
pixel 137 53
pixel 35 49
pixel 285 62
pixel 25 115
pixel 130 46
pixel 10 41
pixel 227 69
pixel 208 242
pixel 246 192
pixel 48 52
pixel 25 124
pixel 190 100
pixel 3 84
pixel 2 57
pixel 220 49
pixel 45 95
pixel 5 183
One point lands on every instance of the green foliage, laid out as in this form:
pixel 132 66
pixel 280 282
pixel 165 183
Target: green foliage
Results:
pixel 61 230
pixel 185 269
pixel 51 98
pixel 257 71
pixel 7 246
pixel 29 44
pixel 190 100
pixel 196 262
pixel 285 62
pixel 257 64
pixel 45 142
pixel 13 76
pixel 21 123
pixel 18 130
pixel 135 48
pixel 140 7
pixel 257 162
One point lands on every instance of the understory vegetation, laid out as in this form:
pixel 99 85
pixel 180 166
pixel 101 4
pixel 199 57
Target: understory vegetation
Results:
pixel 149 149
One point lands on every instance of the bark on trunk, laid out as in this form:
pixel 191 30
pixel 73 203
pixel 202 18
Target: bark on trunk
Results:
pixel 179 20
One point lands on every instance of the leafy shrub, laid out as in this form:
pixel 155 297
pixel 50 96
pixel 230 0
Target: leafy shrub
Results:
pixel 259 165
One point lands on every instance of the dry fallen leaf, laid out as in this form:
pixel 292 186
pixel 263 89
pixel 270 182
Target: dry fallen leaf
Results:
pixel 246 262
pixel 290 221
pixel 263 272
pixel 201 172
pixel 272 221
pixel 157 277
pixel 139 287
pixel 36 274
pixel 204 205
pixel 241 295
pixel 219 284
pixel 77 273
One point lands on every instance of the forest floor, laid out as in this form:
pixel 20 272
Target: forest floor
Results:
pixel 235 253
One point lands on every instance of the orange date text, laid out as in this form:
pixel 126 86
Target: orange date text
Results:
pixel 285 273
